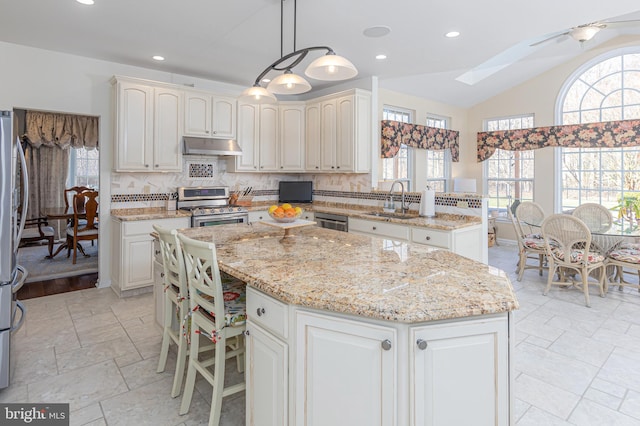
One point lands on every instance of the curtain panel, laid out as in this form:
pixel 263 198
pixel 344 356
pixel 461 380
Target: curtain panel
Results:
pixel 61 130
pixel 395 133
pixel 609 134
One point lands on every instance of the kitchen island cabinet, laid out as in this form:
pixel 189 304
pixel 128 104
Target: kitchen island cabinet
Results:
pixel 348 316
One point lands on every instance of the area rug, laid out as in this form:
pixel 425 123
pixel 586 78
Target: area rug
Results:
pixel 34 260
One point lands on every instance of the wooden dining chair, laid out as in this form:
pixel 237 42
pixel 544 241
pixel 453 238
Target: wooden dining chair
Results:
pixel 36 230
pixel 83 232
pixel 69 196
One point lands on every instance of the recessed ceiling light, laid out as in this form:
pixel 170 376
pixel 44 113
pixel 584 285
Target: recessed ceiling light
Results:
pixel 266 80
pixel 452 34
pixel 381 56
pixel 377 31
pixel 88 2
pixel 158 58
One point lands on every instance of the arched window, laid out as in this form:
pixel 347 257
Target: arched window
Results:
pixel 604 89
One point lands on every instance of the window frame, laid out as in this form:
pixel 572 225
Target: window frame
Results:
pixel 446 159
pixel 74 159
pixel 559 152
pixel 405 151
pixel 502 212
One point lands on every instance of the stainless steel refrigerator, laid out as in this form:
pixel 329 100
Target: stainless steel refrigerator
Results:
pixel 13 210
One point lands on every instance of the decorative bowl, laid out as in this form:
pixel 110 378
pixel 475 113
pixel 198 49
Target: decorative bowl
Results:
pixel 285 217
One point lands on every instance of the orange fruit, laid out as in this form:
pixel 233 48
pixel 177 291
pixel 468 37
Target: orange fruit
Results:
pixel 290 213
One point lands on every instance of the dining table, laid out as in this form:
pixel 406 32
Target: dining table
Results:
pixel 66 214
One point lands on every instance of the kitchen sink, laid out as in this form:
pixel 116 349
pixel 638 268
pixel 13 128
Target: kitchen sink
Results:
pixel 394 215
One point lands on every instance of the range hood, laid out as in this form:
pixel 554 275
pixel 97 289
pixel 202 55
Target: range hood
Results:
pixel 210 146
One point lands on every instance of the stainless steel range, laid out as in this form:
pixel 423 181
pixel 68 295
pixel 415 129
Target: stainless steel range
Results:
pixel 209 206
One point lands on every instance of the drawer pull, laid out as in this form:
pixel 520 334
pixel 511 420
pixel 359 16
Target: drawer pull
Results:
pixel 386 344
pixel 157 252
pixel 422 344
pixel 427 238
pixel 260 311
pixel 374 228
pixel 161 274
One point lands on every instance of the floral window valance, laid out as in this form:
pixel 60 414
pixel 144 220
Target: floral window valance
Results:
pixel 395 133
pixel 607 134
pixel 62 130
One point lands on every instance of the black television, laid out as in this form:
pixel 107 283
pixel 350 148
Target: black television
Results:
pixel 295 191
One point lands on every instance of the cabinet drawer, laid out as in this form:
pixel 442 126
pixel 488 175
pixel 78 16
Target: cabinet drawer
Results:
pixel 431 237
pixel 382 229
pixel 267 312
pixel 138 227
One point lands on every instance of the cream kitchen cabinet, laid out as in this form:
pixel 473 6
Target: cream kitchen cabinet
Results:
pixel 257 216
pixel 258 139
pixel 133 252
pixel 459 373
pixel 465 241
pixel 292 137
pixel 346 371
pixel 209 115
pixel 148 127
pixel 339 133
pixel 267 361
pixel 379 229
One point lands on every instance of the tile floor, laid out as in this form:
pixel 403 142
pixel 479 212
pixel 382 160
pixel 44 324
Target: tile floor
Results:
pixel 573 365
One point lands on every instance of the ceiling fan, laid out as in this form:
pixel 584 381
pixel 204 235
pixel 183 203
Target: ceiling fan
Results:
pixel 586 32
pixel 581 33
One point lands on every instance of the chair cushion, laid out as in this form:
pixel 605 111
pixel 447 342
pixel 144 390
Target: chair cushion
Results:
pixel 234 292
pixel 35 233
pixel 82 233
pixel 578 255
pixel 533 243
pixel 629 255
pixel 634 246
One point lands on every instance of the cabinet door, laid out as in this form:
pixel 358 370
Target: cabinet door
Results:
pixel 312 148
pixel 197 114
pixel 137 262
pixel 267 365
pixel 248 127
pixel 328 136
pixel 345 142
pixel 461 376
pixel 223 120
pixel 268 138
pixel 135 127
pixel 256 216
pixel 167 131
pixel 292 138
pixel 345 372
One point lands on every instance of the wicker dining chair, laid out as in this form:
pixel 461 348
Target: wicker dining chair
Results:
pixel 530 241
pixel 597 217
pixel 568 245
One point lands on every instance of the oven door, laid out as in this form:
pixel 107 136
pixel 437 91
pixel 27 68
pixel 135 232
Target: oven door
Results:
pixel 219 219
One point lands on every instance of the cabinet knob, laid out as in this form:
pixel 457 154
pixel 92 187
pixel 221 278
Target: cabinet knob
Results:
pixel 246 332
pixel 422 344
pixel 146 165
pixel 332 167
pixel 427 238
pixel 260 311
pixel 206 131
pixel 157 165
pixel 317 167
pixel 374 228
pixel 157 252
pixel 161 274
pixel 386 344
pixel 215 132
pixel 260 217
pixel 338 167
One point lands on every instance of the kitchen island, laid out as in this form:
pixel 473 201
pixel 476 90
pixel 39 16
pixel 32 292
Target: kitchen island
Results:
pixel 352 329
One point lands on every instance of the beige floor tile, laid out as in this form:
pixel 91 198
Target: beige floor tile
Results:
pixel 86 415
pixel 144 372
pixel 537 417
pixel 621 370
pixel 603 398
pixel 101 334
pixel 631 405
pixel 589 413
pixel 81 387
pixel 14 393
pixel 553 400
pixel 93 354
pixel 33 366
pixel 580 347
pixel 92 322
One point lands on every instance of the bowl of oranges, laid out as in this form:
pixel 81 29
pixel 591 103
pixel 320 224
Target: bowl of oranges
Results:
pixel 285 213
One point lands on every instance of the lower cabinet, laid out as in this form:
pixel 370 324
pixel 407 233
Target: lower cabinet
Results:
pixel 335 369
pixel 379 229
pixel 132 251
pixel 459 373
pixel 257 216
pixel 345 372
pixel 266 376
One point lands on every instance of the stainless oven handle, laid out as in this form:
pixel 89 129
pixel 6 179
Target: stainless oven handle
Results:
pixel 23 276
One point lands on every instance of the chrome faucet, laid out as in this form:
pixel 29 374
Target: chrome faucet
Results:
pixel 403 206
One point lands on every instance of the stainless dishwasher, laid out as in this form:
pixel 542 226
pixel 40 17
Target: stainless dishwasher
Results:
pixel 332 221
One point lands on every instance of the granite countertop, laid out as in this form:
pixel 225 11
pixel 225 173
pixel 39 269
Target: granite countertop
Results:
pixel 442 221
pixel 360 275
pixel 149 213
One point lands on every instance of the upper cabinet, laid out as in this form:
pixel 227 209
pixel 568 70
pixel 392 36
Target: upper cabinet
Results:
pixel 152 117
pixel 209 115
pixel 338 134
pixel 148 128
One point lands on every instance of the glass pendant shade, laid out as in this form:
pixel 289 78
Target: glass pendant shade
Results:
pixel 331 67
pixel 288 84
pixel 257 95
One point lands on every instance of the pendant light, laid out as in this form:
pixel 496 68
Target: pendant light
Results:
pixel 329 67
